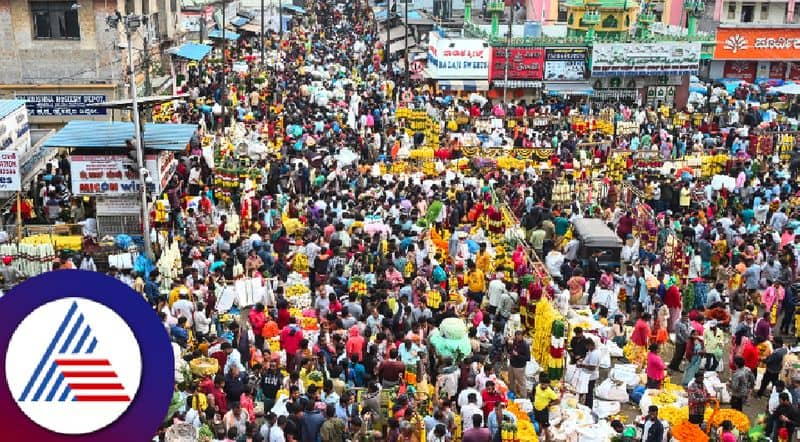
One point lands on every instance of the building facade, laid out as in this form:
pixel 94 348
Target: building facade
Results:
pixel 61 56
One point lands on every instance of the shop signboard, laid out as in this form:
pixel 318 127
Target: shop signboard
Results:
pixel 57 105
pixel 568 64
pixel 9 171
pixel 15 132
pixel 742 70
pixel 645 59
pixel 523 64
pixel 777 69
pixel 772 43
pixel 110 175
pixel 793 71
pixel 457 58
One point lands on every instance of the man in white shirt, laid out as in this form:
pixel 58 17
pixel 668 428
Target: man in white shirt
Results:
pixel 496 289
pixel 470 409
pixel 272 430
pixel 202 324
pixel 183 307
pixel 571 249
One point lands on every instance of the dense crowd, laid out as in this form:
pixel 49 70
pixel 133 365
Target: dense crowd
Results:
pixel 335 297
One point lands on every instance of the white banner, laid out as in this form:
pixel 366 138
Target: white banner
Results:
pixel 642 59
pixel 110 175
pixel 450 58
pixel 9 171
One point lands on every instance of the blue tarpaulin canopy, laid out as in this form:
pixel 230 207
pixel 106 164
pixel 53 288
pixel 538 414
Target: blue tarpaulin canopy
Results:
pixel 193 51
pixel 229 35
pixel 240 21
pixel 294 8
pixel 81 134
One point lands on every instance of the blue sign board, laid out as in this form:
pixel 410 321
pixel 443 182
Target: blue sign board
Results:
pixel 63 105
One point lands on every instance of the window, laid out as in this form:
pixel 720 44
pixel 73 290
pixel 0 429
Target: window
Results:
pixel 747 13
pixel 732 11
pixel 129 8
pixel 55 20
pixel 562 12
pixel 145 7
pixel 764 11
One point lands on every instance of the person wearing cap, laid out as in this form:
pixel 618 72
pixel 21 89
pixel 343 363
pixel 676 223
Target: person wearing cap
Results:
pixel 10 275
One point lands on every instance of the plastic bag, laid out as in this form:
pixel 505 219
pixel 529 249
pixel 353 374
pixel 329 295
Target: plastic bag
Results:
pixel 637 393
pixel 603 409
pixel 123 241
pixel 612 391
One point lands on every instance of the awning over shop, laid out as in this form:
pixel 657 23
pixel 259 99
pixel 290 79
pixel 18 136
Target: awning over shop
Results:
pixel 518 84
pixel 394 33
pixel 192 51
pixel 102 135
pixel 570 88
pixel 229 35
pixel 240 21
pixel 615 93
pixel 400 45
pixel 464 85
pixel 294 8
pixel 255 28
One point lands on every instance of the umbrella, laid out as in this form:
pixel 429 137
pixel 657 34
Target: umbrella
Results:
pixel 217 265
pixel 346 156
pixel 787 89
pixel 684 170
pixel 697 87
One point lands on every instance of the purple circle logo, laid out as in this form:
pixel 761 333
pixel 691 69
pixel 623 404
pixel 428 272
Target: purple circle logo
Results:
pixel 87 360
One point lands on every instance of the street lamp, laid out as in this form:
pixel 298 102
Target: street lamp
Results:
pixel 131 23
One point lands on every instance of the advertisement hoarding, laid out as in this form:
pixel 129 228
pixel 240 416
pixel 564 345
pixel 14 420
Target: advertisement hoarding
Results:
pixel 9 171
pixel 117 175
pixel 645 59
pixel 50 105
pixel 523 64
pixel 757 44
pixel 567 64
pixel 450 58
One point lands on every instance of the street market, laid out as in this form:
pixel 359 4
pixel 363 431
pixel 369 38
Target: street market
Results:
pixel 340 253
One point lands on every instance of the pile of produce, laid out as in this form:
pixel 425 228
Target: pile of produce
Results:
pixel 739 420
pixel 358 285
pixel 688 432
pixel 542 331
pixel 524 430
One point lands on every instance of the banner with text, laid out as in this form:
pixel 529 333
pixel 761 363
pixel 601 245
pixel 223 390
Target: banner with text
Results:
pixel 63 105
pixel 523 64
pixel 450 58
pixel 568 64
pixel 9 171
pixel 110 175
pixel 770 43
pixel 645 59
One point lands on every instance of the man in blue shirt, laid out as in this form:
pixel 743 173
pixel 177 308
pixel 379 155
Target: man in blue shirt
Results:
pixel 495 424
pixel 151 289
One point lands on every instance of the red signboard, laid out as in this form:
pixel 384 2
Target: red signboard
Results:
pixel 794 71
pixel 777 69
pixel 523 64
pixel 743 70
